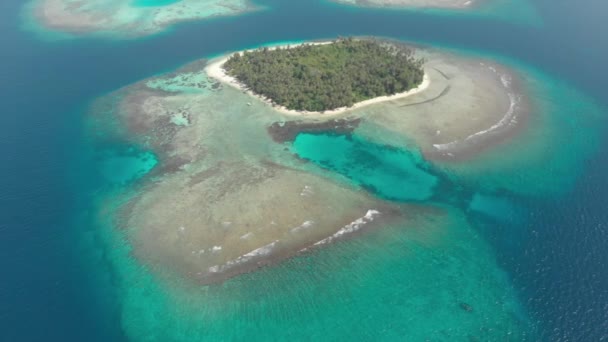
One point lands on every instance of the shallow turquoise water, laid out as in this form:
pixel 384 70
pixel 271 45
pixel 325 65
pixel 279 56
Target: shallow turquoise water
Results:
pixel 123 167
pixel 497 207
pixel 391 173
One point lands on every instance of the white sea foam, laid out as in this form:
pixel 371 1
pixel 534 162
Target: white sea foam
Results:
pixel 307 191
pixel 508 119
pixel 246 236
pixel 446 146
pixel 351 227
pixel 258 252
pixel 506 80
pixel 303 226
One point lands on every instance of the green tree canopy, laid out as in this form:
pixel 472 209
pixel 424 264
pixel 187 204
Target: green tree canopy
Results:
pixel 324 77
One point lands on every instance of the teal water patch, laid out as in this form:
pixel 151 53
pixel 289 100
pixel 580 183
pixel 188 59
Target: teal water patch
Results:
pixel 123 167
pixel 495 207
pixel 392 173
pixel 153 3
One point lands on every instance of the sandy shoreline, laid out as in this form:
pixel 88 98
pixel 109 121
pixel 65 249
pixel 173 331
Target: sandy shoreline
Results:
pixel 215 70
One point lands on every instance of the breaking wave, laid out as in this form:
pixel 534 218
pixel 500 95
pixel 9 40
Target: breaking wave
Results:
pixel 510 117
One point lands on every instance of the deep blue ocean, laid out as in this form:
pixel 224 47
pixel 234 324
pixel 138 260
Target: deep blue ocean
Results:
pixel 557 259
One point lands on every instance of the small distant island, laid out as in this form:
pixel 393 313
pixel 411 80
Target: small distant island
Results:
pixel 327 76
pixel 446 4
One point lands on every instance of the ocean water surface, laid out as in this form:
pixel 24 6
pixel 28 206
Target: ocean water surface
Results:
pixel 521 246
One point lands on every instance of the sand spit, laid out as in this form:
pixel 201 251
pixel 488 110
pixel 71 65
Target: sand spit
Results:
pixel 448 4
pixel 229 196
pixel 217 71
pixel 120 18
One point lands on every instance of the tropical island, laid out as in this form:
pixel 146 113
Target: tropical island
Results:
pixel 322 77
pixel 451 4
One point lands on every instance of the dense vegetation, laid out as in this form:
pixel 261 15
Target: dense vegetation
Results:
pixel 324 77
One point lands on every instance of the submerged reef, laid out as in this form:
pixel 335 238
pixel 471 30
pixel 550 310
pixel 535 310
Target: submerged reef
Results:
pixel 124 18
pixel 515 11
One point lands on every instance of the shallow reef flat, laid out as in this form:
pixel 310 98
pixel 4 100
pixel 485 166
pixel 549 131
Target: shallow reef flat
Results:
pixel 429 277
pixel 124 18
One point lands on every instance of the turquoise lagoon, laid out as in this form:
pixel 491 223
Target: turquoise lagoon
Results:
pixel 391 173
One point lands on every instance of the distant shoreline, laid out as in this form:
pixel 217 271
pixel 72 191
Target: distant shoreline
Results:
pixel 216 70
pixel 413 4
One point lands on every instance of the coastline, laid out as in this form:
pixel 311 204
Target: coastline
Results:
pixel 215 70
